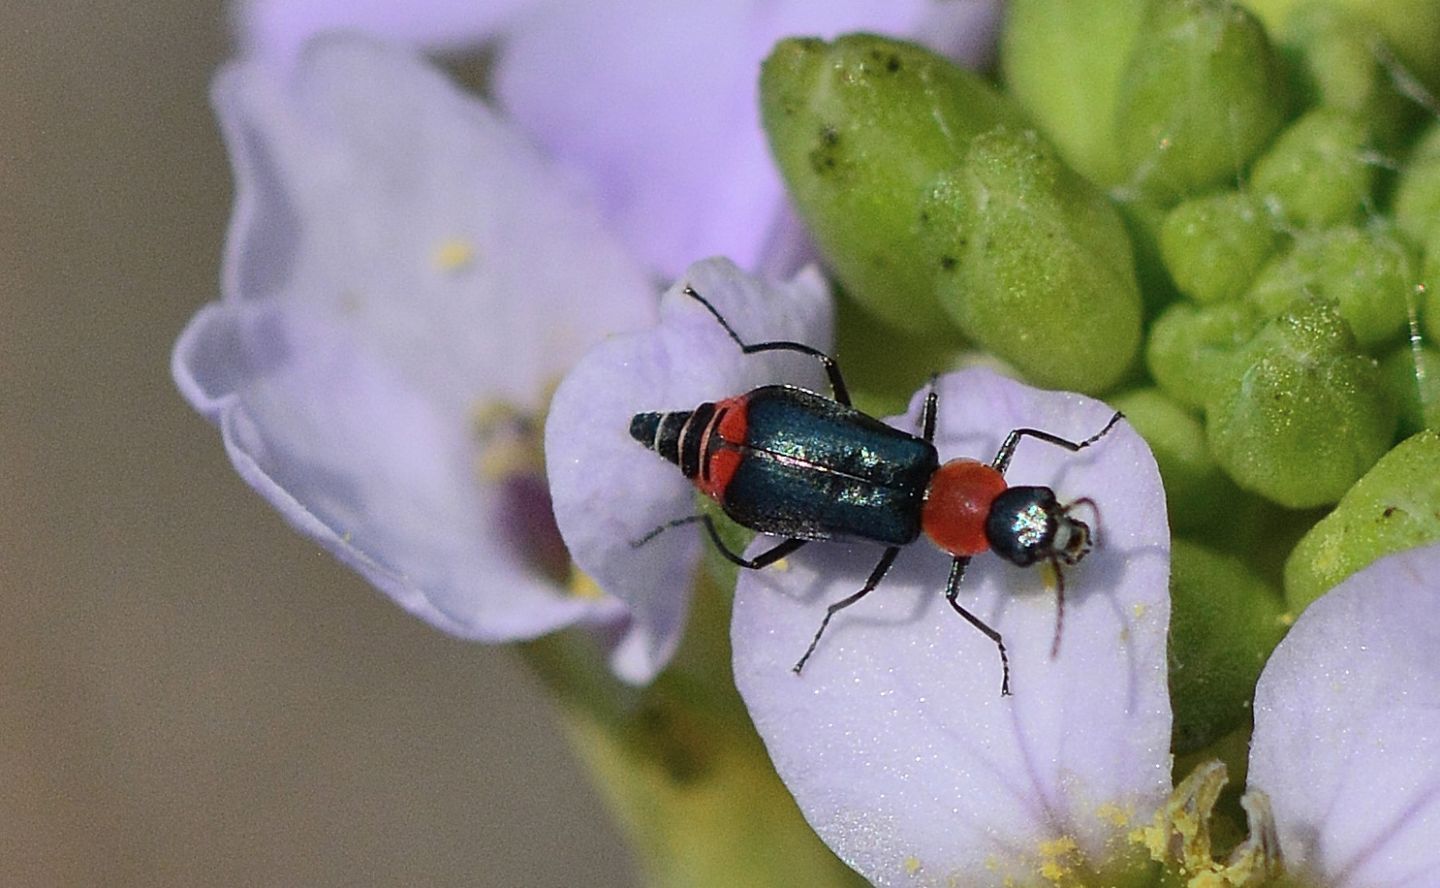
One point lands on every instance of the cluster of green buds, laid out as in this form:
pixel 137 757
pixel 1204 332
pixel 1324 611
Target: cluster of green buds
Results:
pixel 1223 219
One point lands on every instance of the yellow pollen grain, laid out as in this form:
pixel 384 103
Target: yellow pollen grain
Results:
pixel 1114 815
pixel 1140 609
pixel 349 302
pixel 912 865
pixel 452 255
pixel 505 460
pixel 508 442
pixel 582 586
pixel 1057 856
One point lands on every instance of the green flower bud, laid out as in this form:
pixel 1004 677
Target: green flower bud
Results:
pixel 1427 295
pixel 1063 60
pixel 1413 382
pixel 1036 263
pixel 1334 61
pixel 1411 27
pixel 1369 275
pixel 1417 194
pixel 1214 246
pixel 1197 492
pixel 1304 416
pixel 1144 220
pixel 860 128
pixel 1202 94
pixel 1391 509
pixel 1224 621
pixel 1191 348
pixel 1316 172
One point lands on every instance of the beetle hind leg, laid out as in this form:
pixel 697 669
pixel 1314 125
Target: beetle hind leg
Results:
pixel 763 560
pixel 876 576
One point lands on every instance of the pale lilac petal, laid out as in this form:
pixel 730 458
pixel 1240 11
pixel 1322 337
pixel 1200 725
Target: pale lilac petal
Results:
pixel 277 29
pixel 895 740
pixel 1347 729
pixel 399 265
pixel 609 490
pixel 657 103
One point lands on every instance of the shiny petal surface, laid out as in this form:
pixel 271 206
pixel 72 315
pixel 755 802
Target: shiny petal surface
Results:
pixel 895 739
pixel 610 491
pixel 1347 729
pixel 401 270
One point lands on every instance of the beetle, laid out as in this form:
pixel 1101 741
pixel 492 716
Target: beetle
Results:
pixel 789 462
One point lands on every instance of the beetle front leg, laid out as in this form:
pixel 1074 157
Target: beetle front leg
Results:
pixel 1007 449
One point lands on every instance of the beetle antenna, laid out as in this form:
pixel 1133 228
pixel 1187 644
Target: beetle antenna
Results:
pixel 1094 512
pixel 1059 606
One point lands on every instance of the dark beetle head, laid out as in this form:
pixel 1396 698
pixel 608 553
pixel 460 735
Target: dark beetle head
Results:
pixel 1027 524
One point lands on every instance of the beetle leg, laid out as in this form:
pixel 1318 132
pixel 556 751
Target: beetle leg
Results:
pixel 927 413
pixel 764 559
pixel 678 522
pixel 876 576
pixel 832 369
pixel 1007 450
pixel 952 591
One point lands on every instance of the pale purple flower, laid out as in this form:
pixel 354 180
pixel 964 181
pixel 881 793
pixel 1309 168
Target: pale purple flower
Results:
pixel 609 491
pixel 895 739
pixel 1347 730
pixel 404 282
pixel 653 102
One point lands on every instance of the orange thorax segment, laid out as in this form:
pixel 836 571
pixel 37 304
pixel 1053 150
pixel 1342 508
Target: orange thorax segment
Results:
pixel 957 503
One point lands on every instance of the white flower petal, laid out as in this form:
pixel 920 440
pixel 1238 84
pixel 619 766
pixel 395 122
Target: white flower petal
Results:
pixel 1347 729
pixel 895 739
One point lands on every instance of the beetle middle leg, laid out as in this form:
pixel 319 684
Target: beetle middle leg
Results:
pixel 832 369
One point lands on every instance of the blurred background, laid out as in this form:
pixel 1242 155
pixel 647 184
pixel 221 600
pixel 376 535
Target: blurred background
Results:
pixel 190 694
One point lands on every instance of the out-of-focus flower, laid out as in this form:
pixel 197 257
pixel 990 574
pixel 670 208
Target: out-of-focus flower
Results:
pixel 654 102
pixel 609 491
pixel 405 281
pixel 1347 730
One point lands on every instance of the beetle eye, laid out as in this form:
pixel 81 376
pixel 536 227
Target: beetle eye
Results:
pixel 1031 526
